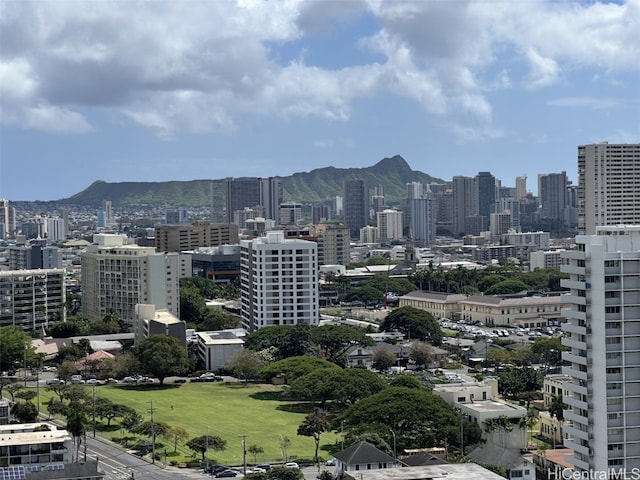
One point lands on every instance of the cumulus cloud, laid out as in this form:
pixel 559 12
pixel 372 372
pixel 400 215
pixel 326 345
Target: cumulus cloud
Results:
pixel 199 69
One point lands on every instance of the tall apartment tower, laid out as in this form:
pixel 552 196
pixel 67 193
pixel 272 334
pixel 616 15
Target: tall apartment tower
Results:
pixel 107 210
pixel 521 187
pixel 356 206
pixel 487 192
pixel 117 275
pixel 464 203
pixel 333 244
pixel 389 225
pixel 7 219
pixel 251 192
pixel 180 238
pixel 608 185
pixel 278 281
pixel 552 190
pixel 603 334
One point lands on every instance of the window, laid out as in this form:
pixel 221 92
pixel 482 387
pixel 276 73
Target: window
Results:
pixel 516 474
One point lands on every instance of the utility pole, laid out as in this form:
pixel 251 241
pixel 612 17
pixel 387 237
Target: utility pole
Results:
pixel 94 410
pixel 153 434
pixel 244 454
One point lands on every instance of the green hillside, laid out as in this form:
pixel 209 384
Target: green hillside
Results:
pixel 315 186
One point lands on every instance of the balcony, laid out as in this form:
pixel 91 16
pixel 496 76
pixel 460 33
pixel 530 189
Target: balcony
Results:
pixel 573 358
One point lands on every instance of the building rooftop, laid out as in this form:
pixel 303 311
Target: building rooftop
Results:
pixel 9 437
pixel 454 471
pixel 219 338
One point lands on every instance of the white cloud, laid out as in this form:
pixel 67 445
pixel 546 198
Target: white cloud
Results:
pixel 594 103
pixel 198 69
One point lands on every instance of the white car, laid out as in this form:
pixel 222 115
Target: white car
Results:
pixel 291 465
pixel 256 470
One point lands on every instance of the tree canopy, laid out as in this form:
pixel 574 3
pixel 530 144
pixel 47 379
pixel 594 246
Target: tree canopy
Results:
pixel 333 341
pixel 161 356
pixel 289 340
pixel 204 443
pixel 295 367
pixel 414 323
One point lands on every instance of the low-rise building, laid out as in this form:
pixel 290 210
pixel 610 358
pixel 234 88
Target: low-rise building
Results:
pixel 34 443
pixel 480 403
pixel 215 348
pixel 150 321
pixel 440 305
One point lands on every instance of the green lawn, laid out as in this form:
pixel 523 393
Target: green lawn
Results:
pixel 226 410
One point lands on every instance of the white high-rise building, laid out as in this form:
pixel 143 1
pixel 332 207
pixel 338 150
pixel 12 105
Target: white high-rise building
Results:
pixel 279 281
pixel 117 275
pixel 603 334
pixel 7 219
pixel 608 185
pixel 389 225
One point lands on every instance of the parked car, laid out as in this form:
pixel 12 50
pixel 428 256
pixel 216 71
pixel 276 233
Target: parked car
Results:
pixel 226 473
pixel 48 368
pixel 256 470
pixel 216 468
pixel 291 465
pixel 55 381
pixel 264 466
pixel 76 379
pixel 95 381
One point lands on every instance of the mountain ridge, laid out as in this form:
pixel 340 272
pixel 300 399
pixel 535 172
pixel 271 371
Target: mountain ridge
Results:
pixel 318 185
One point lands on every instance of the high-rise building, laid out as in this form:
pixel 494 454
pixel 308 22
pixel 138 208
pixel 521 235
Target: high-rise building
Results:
pixel 356 206
pixel 179 238
pixel 34 255
pixel 608 185
pixel 7 219
pixel 422 221
pixel 333 244
pixel 320 213
pixel 107 209
pixel 32 299
pixel 465 203
pixel 176 216
pixel 521 187
pixel 487 193
pixel 251 192
pixel 279 281
pixel 56 229
pixel 602 333
pixel 552 191
pixel 290 213
pixel 118 275
pixel 389 225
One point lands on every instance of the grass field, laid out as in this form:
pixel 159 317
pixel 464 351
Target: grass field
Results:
pixel 228 410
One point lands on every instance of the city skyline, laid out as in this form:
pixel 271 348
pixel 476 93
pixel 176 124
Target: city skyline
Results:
pixel 271 89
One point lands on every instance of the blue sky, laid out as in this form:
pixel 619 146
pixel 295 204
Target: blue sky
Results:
pixel 155 91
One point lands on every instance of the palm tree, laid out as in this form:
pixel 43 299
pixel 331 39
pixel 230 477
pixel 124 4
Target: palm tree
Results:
pixel 76 421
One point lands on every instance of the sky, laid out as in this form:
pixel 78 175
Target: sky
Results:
pixel 206 89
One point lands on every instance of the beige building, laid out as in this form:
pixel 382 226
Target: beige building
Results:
pixel 179 238
pixel 150 321
pixel 334 244
pixel 215 348
pixel 527 312
pixel 118 275
pixel 27 443
pixel 440 305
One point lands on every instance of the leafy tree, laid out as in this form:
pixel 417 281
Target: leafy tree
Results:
pixel 416 416
pixel 497 357
pixel 548 351
pixel 206 442
pixel 69 353
pixel 332 341
pixel 14 388
pixel 289 340
pixel 130 420
pixel 176 435
pixel 357 383
pixel 192 304
pixel 506 287
pixel 26 395
pixel 25 412
pixel 161 356
pixel 382 359
pixel 255 450
pixel 285 443
pixel 216 319
pixel 296 367
pixel 366 295
pixel 105 408
pixel 344 385
pixel 407 381
pixel 13 344
pixel 313 425
pixel 67 368
pixel 76 421
pixel 413 323
pixel 73 327
pixel 517 381
pixel 245 364
pixel 56 407
pixel 152 429
pixel 557 407
pixel 421 354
